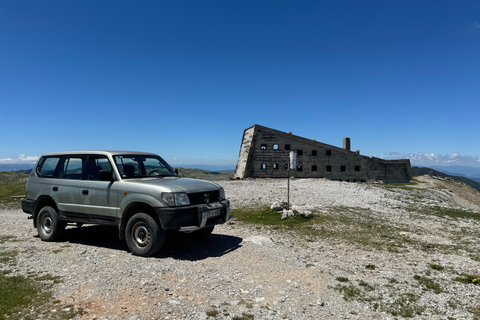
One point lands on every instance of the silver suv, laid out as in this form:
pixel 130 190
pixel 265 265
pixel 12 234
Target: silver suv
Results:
pixel 136 191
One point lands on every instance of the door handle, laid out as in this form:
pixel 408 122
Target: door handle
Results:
pixel 85 192
pixel 55 188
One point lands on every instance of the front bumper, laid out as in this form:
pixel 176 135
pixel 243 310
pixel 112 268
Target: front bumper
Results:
pixel 195 217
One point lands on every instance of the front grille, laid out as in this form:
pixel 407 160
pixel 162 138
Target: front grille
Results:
pixel 200 197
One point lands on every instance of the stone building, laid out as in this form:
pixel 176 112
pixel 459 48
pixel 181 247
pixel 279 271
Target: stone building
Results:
pixel 265 153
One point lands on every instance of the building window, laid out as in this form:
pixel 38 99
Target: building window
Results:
pixel 264 166
pixel 314 152
pixel 329 152
pixel 314 168
pixel 287 147
pixel 275 166
pixel 343 168
pixel 328 168
pixel 299 153
pixel 299 168
pixel 357 168
pixel 263 147
pixel 275 147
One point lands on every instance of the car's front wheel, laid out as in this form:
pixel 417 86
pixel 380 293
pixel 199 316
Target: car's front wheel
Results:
pixel 49 227
pixel 143 235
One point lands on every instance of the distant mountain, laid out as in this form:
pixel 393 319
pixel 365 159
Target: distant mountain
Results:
pixel 16 167
pixel 420 171
pixel 469 172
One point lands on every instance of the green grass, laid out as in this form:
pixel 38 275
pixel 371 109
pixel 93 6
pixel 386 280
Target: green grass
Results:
pixel 30 296
pixel 12 177
pixel 469 279
pixel 9 190
pixel 244 316
pixel 11 184
pixel 212 313
pixel 451 213
pixel 267 217
pixel 436 266
pixel 405 186
pixel 428 284
pixel 355 226
pixel 404 305
pixel 18 293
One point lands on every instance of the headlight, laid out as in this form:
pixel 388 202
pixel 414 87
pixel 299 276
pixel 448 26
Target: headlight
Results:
pixel 222 193
pixel 176 199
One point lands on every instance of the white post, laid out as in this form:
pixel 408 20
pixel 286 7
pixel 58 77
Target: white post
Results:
pixel 293 165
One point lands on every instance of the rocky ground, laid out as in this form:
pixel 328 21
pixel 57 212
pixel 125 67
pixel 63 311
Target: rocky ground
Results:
pixel 373 252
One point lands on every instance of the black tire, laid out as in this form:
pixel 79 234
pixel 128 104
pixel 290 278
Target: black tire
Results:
pixel 49 227
pixel 143 235
pixel 204 233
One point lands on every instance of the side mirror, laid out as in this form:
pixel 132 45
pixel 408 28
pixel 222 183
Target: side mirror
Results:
pixel 105 175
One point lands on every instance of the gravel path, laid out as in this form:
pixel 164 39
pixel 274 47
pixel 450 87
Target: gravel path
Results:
pixel 249 272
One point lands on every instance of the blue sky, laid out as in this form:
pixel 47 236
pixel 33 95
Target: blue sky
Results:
pixel 185 78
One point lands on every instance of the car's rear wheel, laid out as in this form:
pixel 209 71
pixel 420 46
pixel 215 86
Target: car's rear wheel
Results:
pixel 143 235
pixel 49 227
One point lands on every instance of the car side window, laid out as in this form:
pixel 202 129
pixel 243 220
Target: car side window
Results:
pixel 46 167
pixel 72 168
pixel 95 165
pixel 127 166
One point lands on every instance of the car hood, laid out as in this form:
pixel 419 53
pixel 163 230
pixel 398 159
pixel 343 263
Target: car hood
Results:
pixel 174 184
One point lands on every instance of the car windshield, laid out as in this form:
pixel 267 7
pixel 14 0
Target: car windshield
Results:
pixel 135 166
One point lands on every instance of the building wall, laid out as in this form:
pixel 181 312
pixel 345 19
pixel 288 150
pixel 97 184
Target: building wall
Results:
pixel 265 153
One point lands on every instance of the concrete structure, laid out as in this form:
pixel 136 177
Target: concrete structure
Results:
pixel 265 153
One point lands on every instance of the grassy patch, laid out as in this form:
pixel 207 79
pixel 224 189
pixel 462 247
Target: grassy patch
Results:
pixel 18 293
pixel 404 305
pixel 451 213
pixel 7 177
pixel 8 257
pixel 428 284
pixel 30 296
pixel 468 279
pixel 350 292
pixel 212 313
pixel 400 304
pixel 404 186
pixel 267 217
pixel 355 226
pixel 436 266
pixel 366 286
pixel 4 239
pixel 9 190
pixel 244 316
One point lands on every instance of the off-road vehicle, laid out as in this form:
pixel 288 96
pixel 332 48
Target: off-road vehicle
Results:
pixel 136 191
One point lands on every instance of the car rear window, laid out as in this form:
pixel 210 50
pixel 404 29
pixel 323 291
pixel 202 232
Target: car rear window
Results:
pixel 46 166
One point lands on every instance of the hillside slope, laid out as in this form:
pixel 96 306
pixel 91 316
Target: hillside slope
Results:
pixel 417 171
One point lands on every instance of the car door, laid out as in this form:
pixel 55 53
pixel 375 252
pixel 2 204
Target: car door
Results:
pixel 67 188
pixel 99 198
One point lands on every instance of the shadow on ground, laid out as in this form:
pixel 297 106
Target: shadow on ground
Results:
pixel 177 245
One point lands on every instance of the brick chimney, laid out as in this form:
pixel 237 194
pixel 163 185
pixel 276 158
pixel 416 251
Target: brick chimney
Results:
pixel 346 144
